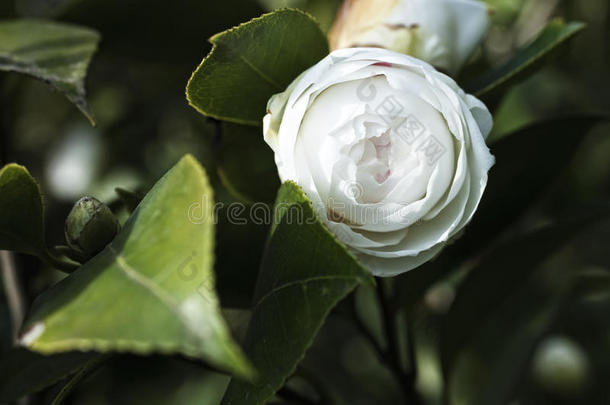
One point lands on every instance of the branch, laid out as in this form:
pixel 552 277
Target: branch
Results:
pixel 14 296
pixel 365 331
pixel 406 381
pixel 58 263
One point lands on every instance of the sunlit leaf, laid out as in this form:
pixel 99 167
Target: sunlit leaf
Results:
pixel 151 289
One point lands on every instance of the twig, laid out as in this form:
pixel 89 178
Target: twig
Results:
pixel 84 371
pixel 14 296
pixel 411 346
pixel 58 263
pixel 365 331
pixel 406 381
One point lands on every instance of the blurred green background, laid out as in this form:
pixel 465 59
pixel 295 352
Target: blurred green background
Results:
pixel 136 89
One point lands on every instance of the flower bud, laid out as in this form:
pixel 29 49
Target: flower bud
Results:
pixel 443 33
pixel 90 226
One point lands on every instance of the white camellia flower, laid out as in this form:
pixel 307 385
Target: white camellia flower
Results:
pixel 443 33
pixel 390 151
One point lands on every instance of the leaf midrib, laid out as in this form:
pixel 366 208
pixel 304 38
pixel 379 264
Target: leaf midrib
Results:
pixel 150 286
pixel 299 282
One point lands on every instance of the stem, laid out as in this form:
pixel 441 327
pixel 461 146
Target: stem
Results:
pixel 406 381
pixel 365 331
pixel 411 346
pixel 13 292
pixel 58 263
pixel 85 371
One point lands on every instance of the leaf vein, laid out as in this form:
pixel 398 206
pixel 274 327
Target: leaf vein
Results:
pixel 260 72
pixel 300 282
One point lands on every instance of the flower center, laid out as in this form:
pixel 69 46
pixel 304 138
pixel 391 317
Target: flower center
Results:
pixel 380 147
pixel 374 151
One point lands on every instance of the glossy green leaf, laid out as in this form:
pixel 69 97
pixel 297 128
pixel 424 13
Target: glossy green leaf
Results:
pixel 526 60
pixel 543 150
pixel 492 326
pixel 151 289
pixel 21 211
pixel 246 165
pixel 251 62
pixel 58 54
pixel 23 372
pixel 304 274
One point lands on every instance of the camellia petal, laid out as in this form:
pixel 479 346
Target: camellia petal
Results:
pixel 390 151
pixel 432 30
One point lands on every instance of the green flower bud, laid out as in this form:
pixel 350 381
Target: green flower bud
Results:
pixel 90 226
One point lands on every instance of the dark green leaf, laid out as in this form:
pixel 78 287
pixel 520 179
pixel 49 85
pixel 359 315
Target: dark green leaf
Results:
pixel 526 60
pixel 58 54
pixel 245 164
pixel 527 162
pixel 305 273
pixel 250 63
pixel 21 211
pixel 491 327
pixel 151 290
pixel 23 372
